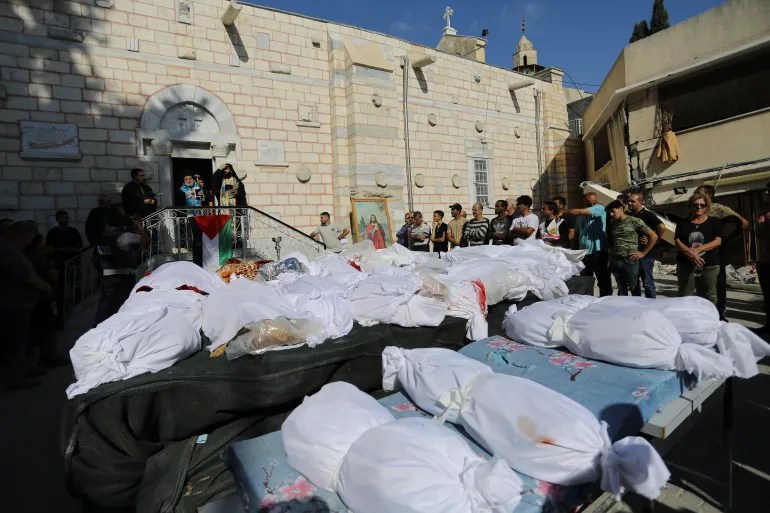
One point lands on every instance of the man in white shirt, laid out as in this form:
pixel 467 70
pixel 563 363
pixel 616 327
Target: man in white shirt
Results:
pixel 331 234
pixel 525 226
pixel 419 236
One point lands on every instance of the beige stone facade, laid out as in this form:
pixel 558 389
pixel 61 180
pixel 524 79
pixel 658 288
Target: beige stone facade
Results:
pixel 311 111
pixel 713 86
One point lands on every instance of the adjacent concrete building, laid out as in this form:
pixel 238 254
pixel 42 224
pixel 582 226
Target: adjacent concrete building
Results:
pixel 706 80
pixel 311 112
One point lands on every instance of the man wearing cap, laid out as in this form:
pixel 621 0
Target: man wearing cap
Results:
pixel 455 233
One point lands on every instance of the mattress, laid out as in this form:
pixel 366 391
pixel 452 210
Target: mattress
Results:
pixel 623 397
pixel 267 483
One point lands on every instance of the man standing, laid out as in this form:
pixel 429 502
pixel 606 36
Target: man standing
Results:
pixel 106 214
pixel 638 210
pixel 525 226
pixel 20 288
pixel 626 255
pixel 66 243
pixel 119 254
pixel 553 230
pixel 402 236
pixel 455 231
pixel 64 239
pixel 138 197
pixel 500 226
pixel 475 230
pixel 723 212
pixel 331 235
pixel 438 235
pixel 419 235
pixel 569 220
pixel 590 225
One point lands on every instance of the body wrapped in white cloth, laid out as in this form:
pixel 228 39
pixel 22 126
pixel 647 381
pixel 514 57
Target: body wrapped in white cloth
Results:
pixel 536 430
pixel 343 440
pixel 641 332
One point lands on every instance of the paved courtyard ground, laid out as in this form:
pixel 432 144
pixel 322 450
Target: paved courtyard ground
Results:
pixel 32 479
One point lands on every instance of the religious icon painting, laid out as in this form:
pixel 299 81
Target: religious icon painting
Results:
pixel 371 221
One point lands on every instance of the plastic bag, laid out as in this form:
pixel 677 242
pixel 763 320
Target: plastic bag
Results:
pixel 270 334
pixel 271 270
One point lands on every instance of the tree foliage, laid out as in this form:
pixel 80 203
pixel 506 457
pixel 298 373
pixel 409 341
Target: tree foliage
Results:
pixel 658 22
pixel 641 30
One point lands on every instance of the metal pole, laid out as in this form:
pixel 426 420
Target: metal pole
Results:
pixel 539 150
pixel 410 199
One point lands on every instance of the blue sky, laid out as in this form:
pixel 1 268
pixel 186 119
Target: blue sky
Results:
pixel 584 38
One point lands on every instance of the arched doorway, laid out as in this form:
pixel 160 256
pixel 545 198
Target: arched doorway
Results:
pixel 186 128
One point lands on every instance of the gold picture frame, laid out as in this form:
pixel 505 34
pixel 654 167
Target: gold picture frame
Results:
pixel 364 227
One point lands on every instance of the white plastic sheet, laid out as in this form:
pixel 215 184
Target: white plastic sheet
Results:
pixel 343 440
pixel 635 337
pixel 536 430
pixel 130 343
pixel 389 295
pixel 228 309
pixel 171 275
pixel 532 324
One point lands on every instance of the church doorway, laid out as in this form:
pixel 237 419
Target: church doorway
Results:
pixel 202 169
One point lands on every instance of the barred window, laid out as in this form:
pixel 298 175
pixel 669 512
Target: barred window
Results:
pixel 481 181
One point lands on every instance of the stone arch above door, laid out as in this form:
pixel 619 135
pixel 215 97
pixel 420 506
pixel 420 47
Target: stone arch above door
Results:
pixel 186 116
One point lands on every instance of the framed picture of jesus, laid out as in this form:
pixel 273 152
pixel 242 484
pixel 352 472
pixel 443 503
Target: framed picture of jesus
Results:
pixel 371 221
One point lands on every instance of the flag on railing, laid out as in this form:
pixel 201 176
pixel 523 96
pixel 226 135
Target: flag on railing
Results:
pixel 217 240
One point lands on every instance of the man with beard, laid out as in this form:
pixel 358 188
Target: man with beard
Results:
pixel 138 197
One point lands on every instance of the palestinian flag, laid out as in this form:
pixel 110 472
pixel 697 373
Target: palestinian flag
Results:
pixel 217 240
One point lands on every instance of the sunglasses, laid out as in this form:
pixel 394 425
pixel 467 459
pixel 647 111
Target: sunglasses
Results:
pixel 698 205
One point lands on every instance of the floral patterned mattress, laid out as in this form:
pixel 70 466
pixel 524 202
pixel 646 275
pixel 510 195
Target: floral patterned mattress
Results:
pixel 626 398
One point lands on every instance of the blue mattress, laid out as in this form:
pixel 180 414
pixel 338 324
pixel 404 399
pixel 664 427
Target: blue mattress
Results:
pixel 623 397
pixel 268 484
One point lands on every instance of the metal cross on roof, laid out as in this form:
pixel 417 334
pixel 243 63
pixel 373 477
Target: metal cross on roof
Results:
pixel 523 24
pixel 448 12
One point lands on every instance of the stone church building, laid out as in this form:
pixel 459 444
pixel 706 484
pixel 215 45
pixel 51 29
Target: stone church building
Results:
pixel 312 113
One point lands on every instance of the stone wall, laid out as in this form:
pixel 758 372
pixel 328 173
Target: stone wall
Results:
pixel 311 111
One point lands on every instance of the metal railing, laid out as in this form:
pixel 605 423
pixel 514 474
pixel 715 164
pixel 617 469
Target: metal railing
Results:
pixel 255 234
pixel 80 281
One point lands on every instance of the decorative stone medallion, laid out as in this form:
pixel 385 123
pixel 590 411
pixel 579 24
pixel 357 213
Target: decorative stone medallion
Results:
pixel 456 181
pixel 506 184
pixel 479 126
pixel 377 100
pixel 381 179
pixel 432 121
pixel 419 180
pixel 304 175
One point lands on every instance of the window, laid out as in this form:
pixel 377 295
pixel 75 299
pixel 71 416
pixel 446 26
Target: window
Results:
pixel 576 126
pixel 720 93
pixel 601 148
pixel 481 181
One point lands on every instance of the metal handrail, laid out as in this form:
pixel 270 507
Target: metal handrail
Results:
pixel 80 281
pixel 256 235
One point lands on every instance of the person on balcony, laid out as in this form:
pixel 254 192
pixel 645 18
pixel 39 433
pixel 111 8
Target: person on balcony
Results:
pixel 227 187
pixel 192 192
pixel 138 197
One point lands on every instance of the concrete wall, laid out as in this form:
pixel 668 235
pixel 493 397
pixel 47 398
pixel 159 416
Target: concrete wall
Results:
pixel 267 70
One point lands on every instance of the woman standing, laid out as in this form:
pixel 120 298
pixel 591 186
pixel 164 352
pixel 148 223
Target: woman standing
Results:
pixel 696 240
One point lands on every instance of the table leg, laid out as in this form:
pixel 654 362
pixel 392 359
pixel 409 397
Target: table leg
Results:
pixel 728 439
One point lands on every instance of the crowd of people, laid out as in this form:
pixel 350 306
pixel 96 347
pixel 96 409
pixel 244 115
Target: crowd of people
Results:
pixel 34 268
pixel 621 239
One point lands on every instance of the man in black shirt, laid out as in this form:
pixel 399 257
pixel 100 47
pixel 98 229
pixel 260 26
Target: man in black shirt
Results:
pixel 500 227
pixel 99 218
pixel 569 221
pixel 138 197
pixel 653 222
pixel 438 235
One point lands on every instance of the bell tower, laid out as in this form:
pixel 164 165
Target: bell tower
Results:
pixel 526 55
